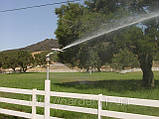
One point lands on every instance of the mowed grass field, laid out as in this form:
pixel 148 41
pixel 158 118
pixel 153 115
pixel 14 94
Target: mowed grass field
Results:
pixel 106 83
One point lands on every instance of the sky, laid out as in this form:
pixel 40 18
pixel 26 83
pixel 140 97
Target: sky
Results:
pixel 19 29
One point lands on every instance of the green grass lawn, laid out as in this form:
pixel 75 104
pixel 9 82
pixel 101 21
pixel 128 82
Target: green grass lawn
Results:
pixel 115 84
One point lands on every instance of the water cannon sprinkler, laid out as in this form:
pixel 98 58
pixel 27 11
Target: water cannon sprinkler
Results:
pixel 48 59
pixel 57 49
pixel 54 49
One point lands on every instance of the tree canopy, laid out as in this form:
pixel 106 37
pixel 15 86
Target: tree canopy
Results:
pixel 77 21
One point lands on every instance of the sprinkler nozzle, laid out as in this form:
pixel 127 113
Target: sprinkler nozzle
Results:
pixel 57 49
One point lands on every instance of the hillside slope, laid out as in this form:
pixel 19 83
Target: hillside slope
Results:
pixel 47 44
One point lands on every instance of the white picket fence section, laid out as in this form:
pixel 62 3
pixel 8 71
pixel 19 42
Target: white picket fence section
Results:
pixel 47 105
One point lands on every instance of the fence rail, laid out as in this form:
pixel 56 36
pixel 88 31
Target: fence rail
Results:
pixel 23 114
pixel 112 99
pixel 47 93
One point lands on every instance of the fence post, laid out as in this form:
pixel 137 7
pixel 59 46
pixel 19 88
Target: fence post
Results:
pixel 34 104
pixel 99 106
pixel 47 99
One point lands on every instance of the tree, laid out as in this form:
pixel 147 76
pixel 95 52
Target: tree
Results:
pixel 72 26
pixel 89 58
pixel 91 19
pixel 104 6
pixel 68 29
pixel 1 63
pixel 9 60
pixel 40 59
pixel 144 46
pixel 124 58
pixel 25 59
pixel 1 60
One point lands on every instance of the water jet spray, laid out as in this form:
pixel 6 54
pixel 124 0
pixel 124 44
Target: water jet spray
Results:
pixel 131 21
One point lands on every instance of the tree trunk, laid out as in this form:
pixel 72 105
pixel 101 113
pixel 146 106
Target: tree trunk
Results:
pixel 146 67
pixel 98 69
pixel 24 69
pixel 14 69
pixel 148 78
pixel 87 70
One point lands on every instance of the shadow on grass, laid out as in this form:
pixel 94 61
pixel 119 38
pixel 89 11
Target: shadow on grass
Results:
pixel 110 85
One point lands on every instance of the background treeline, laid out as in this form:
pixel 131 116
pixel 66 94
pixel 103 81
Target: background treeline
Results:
pixel 21 61
pixel 14 59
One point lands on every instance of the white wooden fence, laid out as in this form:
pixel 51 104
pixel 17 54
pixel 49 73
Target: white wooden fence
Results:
pixel 47 105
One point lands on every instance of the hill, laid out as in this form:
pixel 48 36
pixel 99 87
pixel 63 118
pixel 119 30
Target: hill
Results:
pixel 45 45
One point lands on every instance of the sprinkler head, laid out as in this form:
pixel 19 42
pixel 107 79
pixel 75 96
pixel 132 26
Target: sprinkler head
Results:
pixel 54 49
pixel 57 49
